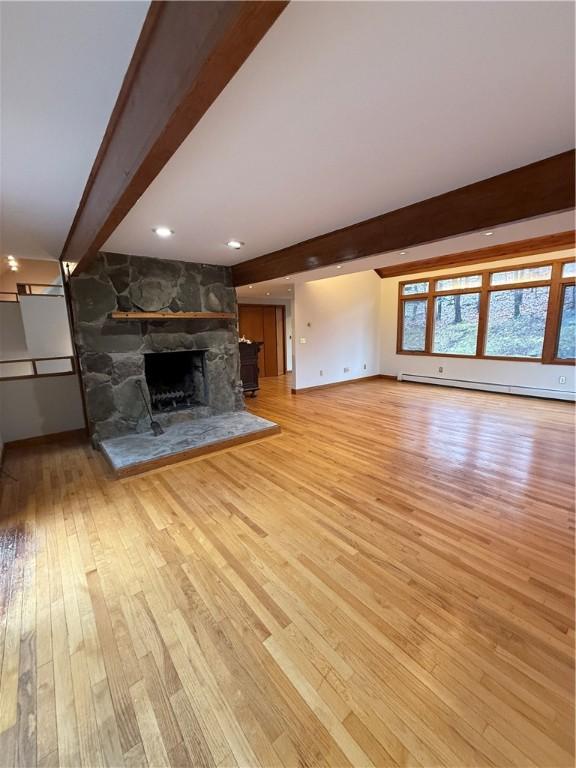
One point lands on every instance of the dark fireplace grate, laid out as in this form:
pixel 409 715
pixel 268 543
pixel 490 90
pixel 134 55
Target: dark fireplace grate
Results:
pixel 176 380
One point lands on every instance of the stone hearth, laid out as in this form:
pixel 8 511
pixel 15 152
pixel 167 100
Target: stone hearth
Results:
pixel 140 452
pixel 113 352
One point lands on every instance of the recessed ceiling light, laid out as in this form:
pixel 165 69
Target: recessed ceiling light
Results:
pixel 267 293
pixel 339 266
pixel 402 253
pixel 235 244
pixel 163 231
pixel 488 233
pixel 250 286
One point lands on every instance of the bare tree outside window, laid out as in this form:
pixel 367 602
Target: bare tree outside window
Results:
pixel 567 335
pixel 524 312
pixel 516 322
pixel 456 324
pixel 414 325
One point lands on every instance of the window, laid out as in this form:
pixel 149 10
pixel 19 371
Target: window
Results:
pixel 526 275
pixel 567 335
pixel 466 281
pixel 522 313
pixel 414 325
pixel 456 324
pixel 516 322
pixel 415 288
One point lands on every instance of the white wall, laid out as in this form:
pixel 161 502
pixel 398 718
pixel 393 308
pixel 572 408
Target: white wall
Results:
pixel 339 318
pixel 45 320
pixel 520 374
pixel 289 334
pixel 288 304
pixel 37 326
pixel 31 407
pixel 12 338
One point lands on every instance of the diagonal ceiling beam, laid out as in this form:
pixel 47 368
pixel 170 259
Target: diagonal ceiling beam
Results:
pixel 532 190
pixel 186 54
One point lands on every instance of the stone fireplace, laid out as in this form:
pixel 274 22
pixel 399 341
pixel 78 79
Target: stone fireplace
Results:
pixel 186 368
pixel 176 380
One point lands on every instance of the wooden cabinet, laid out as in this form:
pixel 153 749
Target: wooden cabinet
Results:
pixel 249 366
pixel 265 323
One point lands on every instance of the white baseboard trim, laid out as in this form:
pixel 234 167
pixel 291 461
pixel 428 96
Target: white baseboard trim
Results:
pixel 506 389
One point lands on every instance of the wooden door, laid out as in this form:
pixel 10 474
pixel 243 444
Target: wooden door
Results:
pixel 251 325
pixel 270 341
pixel 265 323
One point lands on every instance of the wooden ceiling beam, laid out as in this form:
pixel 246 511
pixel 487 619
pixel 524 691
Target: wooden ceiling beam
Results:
pixel 186 54
pixel 540 188
pixel 518 248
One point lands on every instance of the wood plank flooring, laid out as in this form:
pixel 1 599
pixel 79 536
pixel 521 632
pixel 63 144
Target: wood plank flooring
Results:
pixel 389 582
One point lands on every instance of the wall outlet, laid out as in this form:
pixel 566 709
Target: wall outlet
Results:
pixel 365 366
pixel 321 373
pixel 561 379
pixel 346 370
pixel 440 369
pixel 302 339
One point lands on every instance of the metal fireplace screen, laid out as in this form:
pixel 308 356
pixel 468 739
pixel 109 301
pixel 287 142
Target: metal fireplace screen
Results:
pixel 176 380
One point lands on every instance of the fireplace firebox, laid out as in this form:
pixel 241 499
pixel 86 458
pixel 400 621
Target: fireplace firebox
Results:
pixel 176 380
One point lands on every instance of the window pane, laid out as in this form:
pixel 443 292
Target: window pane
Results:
pixel 521 275
pixel 516 322
pixel 466 281
pixel 569 269
pixel 414 325
pixel 456 324
pixel 415 288
pixel 567 336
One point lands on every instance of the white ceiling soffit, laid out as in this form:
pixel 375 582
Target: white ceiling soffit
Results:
pixel 62 67
pixel 506 233
pixel 347 110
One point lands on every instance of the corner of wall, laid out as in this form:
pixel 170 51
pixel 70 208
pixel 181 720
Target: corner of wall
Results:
pixel 339 319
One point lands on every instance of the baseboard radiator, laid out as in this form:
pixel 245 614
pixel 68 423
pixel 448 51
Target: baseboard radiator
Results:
pixel 506 389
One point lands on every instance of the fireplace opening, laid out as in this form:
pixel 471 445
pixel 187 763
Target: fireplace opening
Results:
pixel 176 380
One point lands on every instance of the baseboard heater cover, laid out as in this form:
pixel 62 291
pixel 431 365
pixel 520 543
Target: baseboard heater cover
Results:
pixel 506 389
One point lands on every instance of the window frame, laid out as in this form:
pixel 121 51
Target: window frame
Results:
pixel 556 283
pixel 408 299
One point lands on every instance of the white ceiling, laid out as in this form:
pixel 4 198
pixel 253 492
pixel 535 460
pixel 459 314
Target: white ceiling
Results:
pixel 347 110
pixel 62 66
pixel 273 289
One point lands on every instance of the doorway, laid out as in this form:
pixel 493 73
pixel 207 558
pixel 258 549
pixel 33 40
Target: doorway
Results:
pixel 266 323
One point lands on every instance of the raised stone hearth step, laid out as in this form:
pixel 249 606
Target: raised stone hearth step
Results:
pixel 140 452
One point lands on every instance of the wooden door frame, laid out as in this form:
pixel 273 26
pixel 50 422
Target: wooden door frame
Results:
pixel 284 337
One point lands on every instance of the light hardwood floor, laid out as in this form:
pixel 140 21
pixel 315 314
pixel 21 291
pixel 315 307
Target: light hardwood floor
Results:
pixel 388 582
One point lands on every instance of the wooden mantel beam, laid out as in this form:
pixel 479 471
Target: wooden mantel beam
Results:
pixel 186 54
pixel 173 315
pixel 532 190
